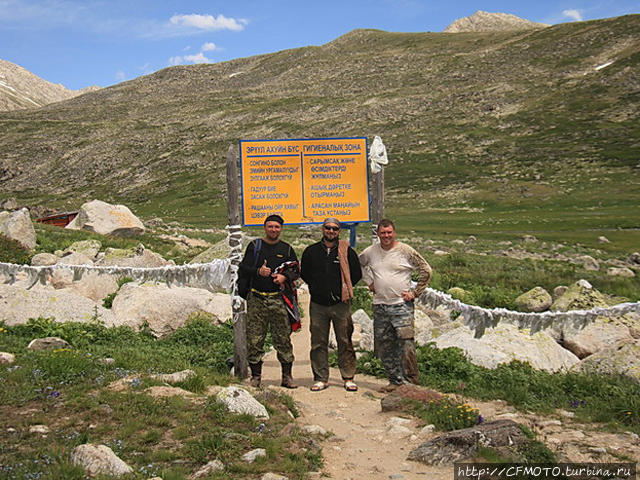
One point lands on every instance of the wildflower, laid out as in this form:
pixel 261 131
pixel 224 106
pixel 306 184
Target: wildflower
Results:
pixel 480 419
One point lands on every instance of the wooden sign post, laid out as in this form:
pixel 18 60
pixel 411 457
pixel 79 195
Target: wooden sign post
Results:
pixel 238 306
pixel 377 202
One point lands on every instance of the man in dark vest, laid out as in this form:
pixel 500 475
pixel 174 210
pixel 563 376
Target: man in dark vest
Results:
pixel 265 307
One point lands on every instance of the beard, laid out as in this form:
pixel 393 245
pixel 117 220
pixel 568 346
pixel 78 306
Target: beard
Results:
pixel 329 240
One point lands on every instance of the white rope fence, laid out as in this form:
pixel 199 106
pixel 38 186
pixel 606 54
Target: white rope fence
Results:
pixel 214 275
pixel 221 274
pixel 479 318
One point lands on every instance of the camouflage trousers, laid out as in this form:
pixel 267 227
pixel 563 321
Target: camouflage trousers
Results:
pixel 393 334
pixel 268 313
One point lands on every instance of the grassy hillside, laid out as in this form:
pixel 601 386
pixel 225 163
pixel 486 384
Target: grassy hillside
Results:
pixel 492 134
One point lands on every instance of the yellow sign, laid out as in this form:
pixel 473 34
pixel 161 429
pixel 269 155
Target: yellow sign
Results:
pixel 304 181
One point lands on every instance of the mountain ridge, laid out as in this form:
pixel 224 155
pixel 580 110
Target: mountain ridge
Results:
pixel 506 120
pixel 20 89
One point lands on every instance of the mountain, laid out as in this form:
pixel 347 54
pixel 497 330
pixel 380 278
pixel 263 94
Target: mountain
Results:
pixel 491 22
pixel 485 130
pixel 21 89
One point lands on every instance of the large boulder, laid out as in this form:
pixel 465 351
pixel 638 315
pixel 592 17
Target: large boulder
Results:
pixel 363 322
pixel 44 259
pixel 620 272
pixel 90 248
pixel 106 219
pixel 535 300
pixel 423 332
pixel 75 258
pixel 164 308
pixel 589 263
pixel 18 305
pixel 94 285
pixel 603 333
pixel 580 296
pixel 220 250
pixel 18 226
pixel 506 343
pixel 621 359
pixel 139 257
pixel 99 460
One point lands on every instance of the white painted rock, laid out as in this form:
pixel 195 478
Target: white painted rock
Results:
pixel 18 305
pixel 99 460
pixel 505 343
pixel 238 400
pixel 106 219
pixel 17 226
pixel 166 308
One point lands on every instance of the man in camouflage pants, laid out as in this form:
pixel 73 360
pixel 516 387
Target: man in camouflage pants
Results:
pixel 387 269
pixel 265 308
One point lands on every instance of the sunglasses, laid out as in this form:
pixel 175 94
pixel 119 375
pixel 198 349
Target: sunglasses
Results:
pixel 335 229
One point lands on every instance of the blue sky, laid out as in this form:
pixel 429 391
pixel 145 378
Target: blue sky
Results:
pixel 104 42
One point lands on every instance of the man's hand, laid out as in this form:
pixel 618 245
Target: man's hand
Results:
pixel 407 295
pixel 278 278
pixel 264 271
pixel 372 289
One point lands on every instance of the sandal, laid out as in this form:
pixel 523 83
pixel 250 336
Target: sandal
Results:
pixel 318 386
pixel 350 386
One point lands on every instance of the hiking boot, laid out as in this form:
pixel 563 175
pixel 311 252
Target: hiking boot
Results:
pixel 287 379
pixel 388 388
pixel 256 374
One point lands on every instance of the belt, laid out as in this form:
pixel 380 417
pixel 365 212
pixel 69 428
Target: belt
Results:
pixel 264 294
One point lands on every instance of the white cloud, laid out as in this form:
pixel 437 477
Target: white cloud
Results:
pixel 120 76
pixel 574 14
pixel 209 47
pixel 183 59
pixel 208 22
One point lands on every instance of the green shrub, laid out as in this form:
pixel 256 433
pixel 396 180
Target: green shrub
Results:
pixel 12 251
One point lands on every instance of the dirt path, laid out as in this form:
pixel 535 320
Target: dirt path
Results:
pixel 367 442
pixel 373 445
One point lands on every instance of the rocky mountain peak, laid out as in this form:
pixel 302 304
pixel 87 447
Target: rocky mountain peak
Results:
pixel 491 22
pixel 20 89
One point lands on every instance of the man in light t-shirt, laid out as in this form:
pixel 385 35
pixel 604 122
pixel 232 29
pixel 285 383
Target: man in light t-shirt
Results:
pixel 387 268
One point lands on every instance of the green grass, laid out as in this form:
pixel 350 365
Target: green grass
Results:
pixel 12 251
pixel 68 390
pixel 608 399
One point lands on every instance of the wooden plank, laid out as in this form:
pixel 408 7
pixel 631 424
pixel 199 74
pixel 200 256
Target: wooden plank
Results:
pixel 240 363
